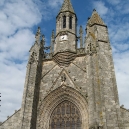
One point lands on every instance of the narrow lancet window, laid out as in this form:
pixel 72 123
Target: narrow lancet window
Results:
pixel 64 21
pixel 70 22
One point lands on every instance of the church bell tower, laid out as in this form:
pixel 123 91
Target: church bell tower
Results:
pixel 71 87
pixel 66 34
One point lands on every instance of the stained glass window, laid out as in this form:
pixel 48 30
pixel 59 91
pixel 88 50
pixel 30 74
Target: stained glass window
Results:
pixel 65 116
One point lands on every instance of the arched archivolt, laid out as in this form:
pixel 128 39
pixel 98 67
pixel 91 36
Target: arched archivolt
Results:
pixel 57 97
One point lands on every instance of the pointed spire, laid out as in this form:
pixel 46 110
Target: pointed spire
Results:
pixel 67 6
pixel 37 36
pixel 53 34
pixel 43 40
pixel 95 19
pixel 42 43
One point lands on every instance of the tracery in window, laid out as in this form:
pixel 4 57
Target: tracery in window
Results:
pixel 65 116
pixel 64 21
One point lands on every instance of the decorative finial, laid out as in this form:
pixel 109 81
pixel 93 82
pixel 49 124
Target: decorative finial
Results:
pixel 94 9
pixel 88 18
pixel 43 40
pixel 52 41
pixel 38 35
pixel 122 106
pixel 53 34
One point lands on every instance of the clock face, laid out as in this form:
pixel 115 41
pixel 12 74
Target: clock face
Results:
pixel 63 37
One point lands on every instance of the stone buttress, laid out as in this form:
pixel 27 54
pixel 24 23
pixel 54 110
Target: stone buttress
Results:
pixel 103 99
pixel 31 88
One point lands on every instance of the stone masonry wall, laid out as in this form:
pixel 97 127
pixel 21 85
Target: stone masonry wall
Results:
pixel 12 122
pixel 51 76
pixel 124 117
pixel 75 77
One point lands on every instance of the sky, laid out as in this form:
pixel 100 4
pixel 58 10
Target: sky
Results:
pixel 19 20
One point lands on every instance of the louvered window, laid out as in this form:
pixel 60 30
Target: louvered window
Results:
pixel 70 22
pixel 65 116
pixel 64 21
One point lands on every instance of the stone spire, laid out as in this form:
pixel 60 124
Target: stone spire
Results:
pixel 67 6
pixel 37 36
pixel 95 19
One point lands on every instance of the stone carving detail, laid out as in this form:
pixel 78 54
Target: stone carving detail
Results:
pixel 45 55
pixel 100 127
pixel 96 126
pixel 81 51
pixel 63 77
pixel 64 58
pixel 91 48
pixel 55 98
pixel 33 58
pixel 63 33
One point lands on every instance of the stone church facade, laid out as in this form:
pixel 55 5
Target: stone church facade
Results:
pixel 71 87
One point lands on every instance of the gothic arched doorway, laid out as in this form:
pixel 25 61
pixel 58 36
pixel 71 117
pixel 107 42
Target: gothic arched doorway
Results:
pixel 65 116
pixel 60 107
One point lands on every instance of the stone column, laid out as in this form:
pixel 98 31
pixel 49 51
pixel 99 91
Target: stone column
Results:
pixel 67 21
pixel 74 24
pixel 31 87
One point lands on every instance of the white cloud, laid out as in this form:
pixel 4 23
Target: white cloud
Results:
pixel 11 85
pixel 114 2
pixel 13 60
pixel 18 14
pixel 100 7
pixel 17 45
pixel 55 3
pixel 122 74
pixel 17 19
pixel 122 7
pixel 2 2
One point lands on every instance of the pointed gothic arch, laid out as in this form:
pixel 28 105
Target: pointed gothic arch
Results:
pixel 65 116
pixel 57 97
